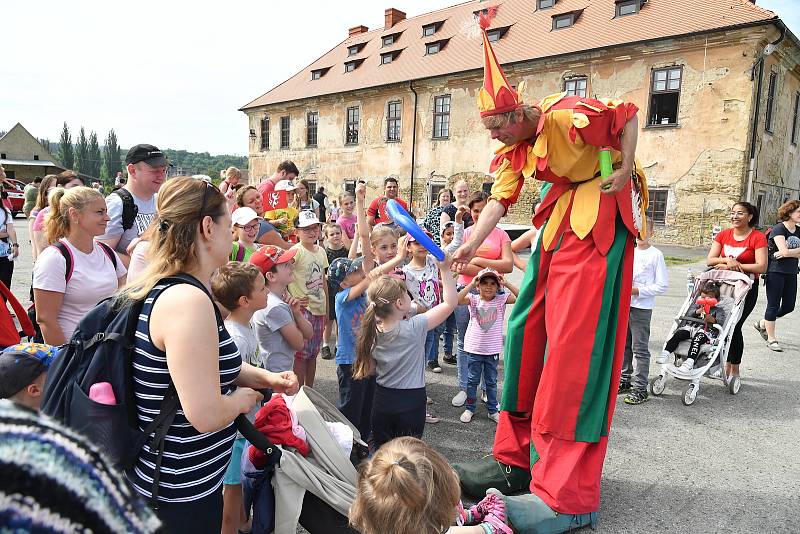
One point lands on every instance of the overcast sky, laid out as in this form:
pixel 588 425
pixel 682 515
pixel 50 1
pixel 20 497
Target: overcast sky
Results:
pixel 171 72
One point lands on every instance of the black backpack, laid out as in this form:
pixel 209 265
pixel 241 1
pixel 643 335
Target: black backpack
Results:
pixel 129 208
pixel 101 350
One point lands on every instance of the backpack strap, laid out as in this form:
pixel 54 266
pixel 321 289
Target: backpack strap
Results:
pixel 129 207
pixel 240 251
pixel 109 252
pixel 65 251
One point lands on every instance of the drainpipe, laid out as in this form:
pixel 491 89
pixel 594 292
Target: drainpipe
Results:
pixel 413 147
pixel 759 66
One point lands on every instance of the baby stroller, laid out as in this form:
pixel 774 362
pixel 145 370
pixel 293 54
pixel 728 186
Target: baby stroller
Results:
pixel 315 491
pixel 710 362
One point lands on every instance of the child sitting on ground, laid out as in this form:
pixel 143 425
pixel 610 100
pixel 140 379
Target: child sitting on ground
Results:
pixel 23 370
pixel 700 335
pixel 483 340
pixel 409 487
pixel 334 248
pixel 280 327
pixel 393 349
pixel 245 227
pixel 241 289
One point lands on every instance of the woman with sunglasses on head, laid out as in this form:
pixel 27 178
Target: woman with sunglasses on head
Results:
pixel 181 339
pixel 740 248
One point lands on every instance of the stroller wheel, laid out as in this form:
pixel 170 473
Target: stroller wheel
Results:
pixel 690 395
pixel 657 385
pixel 734 384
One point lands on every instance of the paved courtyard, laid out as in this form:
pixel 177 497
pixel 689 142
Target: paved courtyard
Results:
pixel 725 464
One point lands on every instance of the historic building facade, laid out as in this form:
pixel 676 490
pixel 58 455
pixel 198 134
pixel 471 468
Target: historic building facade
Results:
pixel 717 84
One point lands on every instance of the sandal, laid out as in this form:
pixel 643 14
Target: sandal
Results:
pixel 761 330
pixel 774 346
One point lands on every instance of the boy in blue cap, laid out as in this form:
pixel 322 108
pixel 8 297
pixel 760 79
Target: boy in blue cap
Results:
pixel 23 370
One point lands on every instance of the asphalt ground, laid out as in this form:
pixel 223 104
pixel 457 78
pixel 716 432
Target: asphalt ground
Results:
pixel 725 464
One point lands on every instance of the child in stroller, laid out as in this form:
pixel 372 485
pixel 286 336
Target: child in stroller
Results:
pixel 700 335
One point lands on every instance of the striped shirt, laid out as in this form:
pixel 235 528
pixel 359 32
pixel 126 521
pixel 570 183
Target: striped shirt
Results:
pixel 193 463
pixel 485 330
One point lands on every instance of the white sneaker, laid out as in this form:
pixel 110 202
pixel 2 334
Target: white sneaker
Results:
pixel 495 417
pixel 484 396
pixel 687 366
pixel 431 419
pixel 460 399
pixel 466 417
pixel 663 357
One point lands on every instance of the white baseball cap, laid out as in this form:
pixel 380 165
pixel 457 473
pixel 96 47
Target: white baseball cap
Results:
pixel 242 216
pixel 285 185
pixel 307 218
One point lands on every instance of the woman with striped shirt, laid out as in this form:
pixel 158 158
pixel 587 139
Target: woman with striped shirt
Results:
pixel 181 339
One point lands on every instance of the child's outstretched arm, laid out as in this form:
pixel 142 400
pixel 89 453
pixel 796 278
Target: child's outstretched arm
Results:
pixel 439 313
pixel 394 263
pixel 458 237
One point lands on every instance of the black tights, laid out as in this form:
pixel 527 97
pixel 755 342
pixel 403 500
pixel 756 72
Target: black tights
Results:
pixel 737 341
pixel 698 340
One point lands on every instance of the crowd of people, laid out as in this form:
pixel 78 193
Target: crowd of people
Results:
pixel 311 277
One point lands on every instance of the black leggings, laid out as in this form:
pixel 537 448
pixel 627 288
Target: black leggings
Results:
pixel 781 295
pixel 737 341
pixel 396 413
pixel 698 340
pixel 6 271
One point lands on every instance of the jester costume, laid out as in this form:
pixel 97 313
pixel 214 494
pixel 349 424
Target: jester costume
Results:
pixel 566 333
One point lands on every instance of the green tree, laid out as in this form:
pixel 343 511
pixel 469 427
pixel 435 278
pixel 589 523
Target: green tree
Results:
pixel 81 153
pixel 94 160
pixel 112 157
pixel 65 154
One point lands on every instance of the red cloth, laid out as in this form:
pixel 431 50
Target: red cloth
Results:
pixel 377 208
pixel 9 335
pixel 743 251
pixel 265 188
pixel 275 422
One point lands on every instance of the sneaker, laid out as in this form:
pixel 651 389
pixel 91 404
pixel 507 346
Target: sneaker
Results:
pixel 687 366
pixel 326 353
pixel 431 419
pixel 450 359
pixel 761 330
pixel 774 346
pixel 484 397
pixel 459 399
pixel 466 417
pixel 434 367
pixel 495 417
pixel 663 357
pixel 624 387
pixel 637 396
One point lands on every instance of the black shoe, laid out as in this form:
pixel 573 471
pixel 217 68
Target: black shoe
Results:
pixel 450 359
pixel 624 387
pixel 326 353
pixel 637 396
pixel 434 367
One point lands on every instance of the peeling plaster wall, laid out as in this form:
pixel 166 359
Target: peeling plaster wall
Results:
pixel 701 161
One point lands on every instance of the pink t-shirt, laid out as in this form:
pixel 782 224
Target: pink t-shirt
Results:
pixel 348 224
pixel 38 223
pixel 485 330
pixel 490 249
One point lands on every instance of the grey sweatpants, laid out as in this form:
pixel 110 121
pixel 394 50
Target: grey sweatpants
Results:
pixel 637 345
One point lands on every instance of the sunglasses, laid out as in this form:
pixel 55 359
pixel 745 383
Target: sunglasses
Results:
pixel 209 187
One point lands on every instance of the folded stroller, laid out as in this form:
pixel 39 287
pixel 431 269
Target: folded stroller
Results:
pixel 711 362
pixel 315 491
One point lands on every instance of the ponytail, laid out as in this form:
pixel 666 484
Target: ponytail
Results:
pixel 365 364
pixel 57 224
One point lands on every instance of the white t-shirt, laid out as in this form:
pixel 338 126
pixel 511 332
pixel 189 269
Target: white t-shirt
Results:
pixel 93 279
pixel 649 277
pixel 147 212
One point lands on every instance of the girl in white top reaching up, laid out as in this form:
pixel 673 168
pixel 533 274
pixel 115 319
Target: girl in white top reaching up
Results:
pixel 63 293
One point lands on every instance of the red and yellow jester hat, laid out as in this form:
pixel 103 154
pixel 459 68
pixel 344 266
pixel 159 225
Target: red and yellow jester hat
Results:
pixel 496 96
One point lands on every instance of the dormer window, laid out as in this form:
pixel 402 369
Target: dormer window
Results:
pixel 545 4
pixel 389 40
pixel 627 7
pixel 565 20
pixel 316 74
pixel 435 47
pixel 350 66
pixel 388 57
pixel 430 29
pixel 496 34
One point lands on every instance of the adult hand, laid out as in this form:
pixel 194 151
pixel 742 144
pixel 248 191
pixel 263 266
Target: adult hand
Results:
pixel 615 182
pixel 287 382
pixel 779 255
pixel 246 398
pixel 733 264
pixel 463 255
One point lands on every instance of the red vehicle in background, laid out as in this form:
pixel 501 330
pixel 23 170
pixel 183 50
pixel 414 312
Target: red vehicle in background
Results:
pixel 13 195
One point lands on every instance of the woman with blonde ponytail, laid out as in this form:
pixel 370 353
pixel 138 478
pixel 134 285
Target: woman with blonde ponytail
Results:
pixel 393 349
pixel 409 487
pixel 181 340
pixel 63 293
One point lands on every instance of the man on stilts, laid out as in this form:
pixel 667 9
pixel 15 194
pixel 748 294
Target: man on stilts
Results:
pixel 566 333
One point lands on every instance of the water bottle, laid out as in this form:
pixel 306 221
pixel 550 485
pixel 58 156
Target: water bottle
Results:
pixel 689 281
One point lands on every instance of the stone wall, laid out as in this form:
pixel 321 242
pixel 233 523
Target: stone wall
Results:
pixel 701 161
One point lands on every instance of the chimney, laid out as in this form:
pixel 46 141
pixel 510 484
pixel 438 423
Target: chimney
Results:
pixel 356 30
pixel 392 16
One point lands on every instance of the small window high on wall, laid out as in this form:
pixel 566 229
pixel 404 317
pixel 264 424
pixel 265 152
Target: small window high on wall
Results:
pixel 575 86
pixel 658 205
pixel 665 90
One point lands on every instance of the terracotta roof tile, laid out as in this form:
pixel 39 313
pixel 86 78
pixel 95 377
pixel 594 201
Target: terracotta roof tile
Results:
pixel 530 37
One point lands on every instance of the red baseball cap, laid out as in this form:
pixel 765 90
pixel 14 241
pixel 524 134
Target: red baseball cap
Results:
pixel 268 256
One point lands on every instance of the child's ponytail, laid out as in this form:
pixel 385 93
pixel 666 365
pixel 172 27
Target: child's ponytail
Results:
pixel 365 364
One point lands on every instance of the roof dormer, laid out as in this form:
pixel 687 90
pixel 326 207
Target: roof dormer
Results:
pixel 430 29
